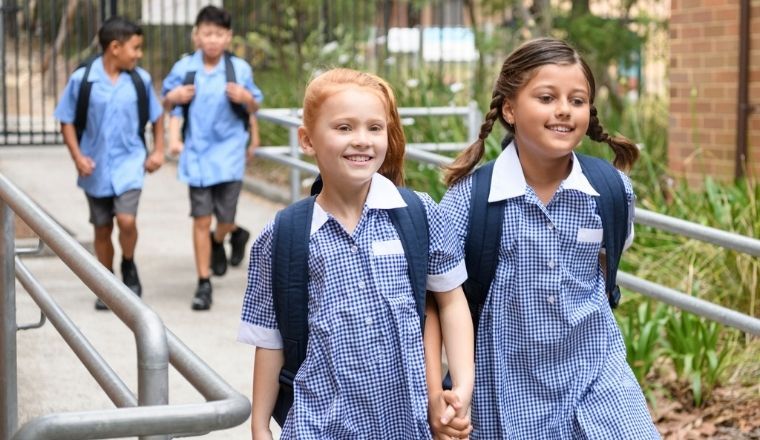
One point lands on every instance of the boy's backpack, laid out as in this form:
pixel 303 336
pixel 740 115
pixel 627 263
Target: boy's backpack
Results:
pixel 290 278
pixel 229 71
pixel 83 100
pixel 484 234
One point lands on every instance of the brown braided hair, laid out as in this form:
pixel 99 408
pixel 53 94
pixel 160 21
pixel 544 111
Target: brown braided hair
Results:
pixel 517 70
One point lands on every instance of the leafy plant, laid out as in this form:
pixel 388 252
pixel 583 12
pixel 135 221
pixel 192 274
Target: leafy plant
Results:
pixel 692 344
pixel 642 333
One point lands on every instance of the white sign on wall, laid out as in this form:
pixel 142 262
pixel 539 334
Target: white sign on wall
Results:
pixel 448 44
pixel 173 11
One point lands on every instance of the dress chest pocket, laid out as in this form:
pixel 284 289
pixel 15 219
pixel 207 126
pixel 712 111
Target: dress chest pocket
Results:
pixel 584 260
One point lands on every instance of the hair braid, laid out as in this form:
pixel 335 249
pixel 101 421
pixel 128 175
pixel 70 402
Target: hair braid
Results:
pixel 470 157
pixel 626 152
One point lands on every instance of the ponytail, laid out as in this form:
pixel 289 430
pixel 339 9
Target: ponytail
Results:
pixel 626 152
pixel 469 157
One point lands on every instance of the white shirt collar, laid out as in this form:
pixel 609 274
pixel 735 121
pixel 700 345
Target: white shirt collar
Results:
pixel 508 180
pixel 382 194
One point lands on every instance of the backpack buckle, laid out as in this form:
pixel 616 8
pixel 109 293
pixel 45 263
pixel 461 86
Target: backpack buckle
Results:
pixel 614 297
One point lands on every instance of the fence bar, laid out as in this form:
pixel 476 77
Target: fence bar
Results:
pixel 8 379
pixel 299 164
pixel 433 111
pixel 113 386
pixel 691 304
pixel 427 156
pixel 128 422
pixel 707 234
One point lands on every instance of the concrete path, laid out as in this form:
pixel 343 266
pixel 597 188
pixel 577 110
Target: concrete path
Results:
pixel 51 379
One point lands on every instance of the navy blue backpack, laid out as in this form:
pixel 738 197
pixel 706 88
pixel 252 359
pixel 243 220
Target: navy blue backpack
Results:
pixel 484 234
pixel 83 100
pixel 290 278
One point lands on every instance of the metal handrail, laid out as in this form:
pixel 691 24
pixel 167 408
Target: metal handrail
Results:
pixel 156 347
pixel 728 240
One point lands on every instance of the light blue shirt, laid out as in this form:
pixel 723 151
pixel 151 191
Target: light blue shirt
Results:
pixel 364 372
pixel 216 140
pixel 550 359
pixel 110 137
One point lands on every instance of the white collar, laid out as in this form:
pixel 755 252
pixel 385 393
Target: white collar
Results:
pixel 382 194
pixel 508 180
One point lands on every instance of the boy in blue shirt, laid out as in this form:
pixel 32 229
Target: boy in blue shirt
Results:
pixel 109 151
pixel 212 159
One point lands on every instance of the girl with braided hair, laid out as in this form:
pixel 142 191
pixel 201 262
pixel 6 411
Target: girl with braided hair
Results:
pixel 550 360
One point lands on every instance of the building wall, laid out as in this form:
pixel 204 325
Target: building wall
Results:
pixel 704 72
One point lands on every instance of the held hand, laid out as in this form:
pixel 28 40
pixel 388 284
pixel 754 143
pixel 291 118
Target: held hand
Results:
pixel 448 416
pixel 182 94
pixel 85 165
pixel 176 146
pixel 238 94
pixel 262 434
pixel 154 161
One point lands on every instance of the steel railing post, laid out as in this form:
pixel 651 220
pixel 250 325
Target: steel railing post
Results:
pixel 473 121
pixel 8 379
pixel 295 175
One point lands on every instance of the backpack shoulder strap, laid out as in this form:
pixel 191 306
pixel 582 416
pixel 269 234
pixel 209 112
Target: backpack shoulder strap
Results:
pixel 612 207
pixel 142 103
pixel 412 226
pixel 83 99
pixel 239 109
pixel 482 242
pixel 290 281
pixel 189 79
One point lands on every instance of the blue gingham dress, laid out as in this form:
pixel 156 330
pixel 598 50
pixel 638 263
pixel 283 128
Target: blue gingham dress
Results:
pixel 550 359
pixel 364 372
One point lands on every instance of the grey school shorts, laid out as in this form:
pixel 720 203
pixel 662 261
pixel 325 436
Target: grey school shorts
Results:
pixel 102 209
pixel 220 199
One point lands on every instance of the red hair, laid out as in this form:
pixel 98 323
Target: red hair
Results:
pixel 335 80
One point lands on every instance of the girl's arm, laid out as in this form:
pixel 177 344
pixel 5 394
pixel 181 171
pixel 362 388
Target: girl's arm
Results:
pixel 266 385
pixel 456 326
pixel 448 409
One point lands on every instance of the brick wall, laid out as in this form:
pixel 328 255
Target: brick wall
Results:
pixel 704 70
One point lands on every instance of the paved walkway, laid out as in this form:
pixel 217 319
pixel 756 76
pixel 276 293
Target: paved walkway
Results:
pixel 51 379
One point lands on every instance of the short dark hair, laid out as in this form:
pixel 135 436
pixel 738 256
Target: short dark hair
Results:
pixel 213 15
pixel 117 29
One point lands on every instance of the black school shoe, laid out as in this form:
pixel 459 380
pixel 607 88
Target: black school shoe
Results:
pixel 238 239
pixel 129 275
pixel 218 257
pixel 131 280
pixel 202 298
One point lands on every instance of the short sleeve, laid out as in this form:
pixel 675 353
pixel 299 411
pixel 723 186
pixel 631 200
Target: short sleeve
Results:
pixel 246 79
pixel 456 205
pixel 258 324
pixel 174 79
pixel 446 269
pixel 154 106
pixel 65 111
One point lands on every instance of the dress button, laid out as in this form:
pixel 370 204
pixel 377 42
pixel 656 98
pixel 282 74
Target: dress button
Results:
pixel 361 284
pixel 368 321
pixel 354 249
pixel 551 299
pixel 550 264
pixel 550 225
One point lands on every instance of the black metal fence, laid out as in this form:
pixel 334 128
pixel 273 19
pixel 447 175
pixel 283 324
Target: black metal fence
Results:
pixel 42 41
